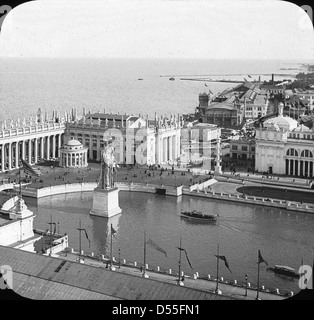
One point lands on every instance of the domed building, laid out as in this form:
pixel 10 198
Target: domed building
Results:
pixel 73 155
pixel 285 147
pixel 283 122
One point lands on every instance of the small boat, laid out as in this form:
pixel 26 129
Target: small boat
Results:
pixel 139 79
pixel 172 79
pixel 284 271
pixel 198 215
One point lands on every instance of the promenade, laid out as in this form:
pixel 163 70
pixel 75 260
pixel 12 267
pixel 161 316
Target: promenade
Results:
pixel 237 292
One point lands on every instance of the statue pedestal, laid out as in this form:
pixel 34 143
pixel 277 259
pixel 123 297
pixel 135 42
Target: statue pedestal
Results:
pixel 105 202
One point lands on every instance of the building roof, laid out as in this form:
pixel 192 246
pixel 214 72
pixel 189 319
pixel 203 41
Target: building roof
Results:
pixel 109 116
pixel 221 105
pixel 43 277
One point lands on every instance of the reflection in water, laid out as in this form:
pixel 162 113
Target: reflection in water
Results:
pixel 241 230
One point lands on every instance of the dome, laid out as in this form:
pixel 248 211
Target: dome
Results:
pixel 73 143
pixel 282 122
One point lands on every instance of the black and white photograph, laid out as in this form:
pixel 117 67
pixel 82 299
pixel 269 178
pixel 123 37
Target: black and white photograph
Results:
pixel 156 151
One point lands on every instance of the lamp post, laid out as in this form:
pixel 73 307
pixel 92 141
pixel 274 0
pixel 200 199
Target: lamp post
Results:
pixel 245 285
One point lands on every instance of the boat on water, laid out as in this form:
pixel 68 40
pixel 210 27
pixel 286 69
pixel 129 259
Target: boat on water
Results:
pixel 140 79
pixel 284 271
pixel 198 215
pixel 172 79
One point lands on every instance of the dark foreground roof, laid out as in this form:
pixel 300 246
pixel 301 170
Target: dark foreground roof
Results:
pixel 40 277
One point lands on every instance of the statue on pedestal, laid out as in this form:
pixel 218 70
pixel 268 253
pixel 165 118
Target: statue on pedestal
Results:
pixel 107 165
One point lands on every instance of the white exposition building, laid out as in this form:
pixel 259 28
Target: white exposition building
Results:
pixel 138 140
pixel 284 147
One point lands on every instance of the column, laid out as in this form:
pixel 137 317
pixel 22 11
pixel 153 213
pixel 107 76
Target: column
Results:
pixel 36 150
pixel 53 146
pixel 291 167
pixel 23 149
pixel 17 155
pixel 170 147
pixel 10 155
pixel 66 159
pixel 59 144
pixel 29 151
pixel 306 171
pixel 165 153
pixel 48 147
pixel 98 148
pixel 296 167
pixel 174 147
pixel 42 155
pixel 2 157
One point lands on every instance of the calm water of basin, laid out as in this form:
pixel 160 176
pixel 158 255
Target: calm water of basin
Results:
pixel 283 237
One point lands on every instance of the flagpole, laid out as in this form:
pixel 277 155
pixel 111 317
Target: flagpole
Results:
pixel 144 268
pixel 50 234
pixel 80 247
pixel 179 263
pixel 216 290
pixel 257 295
pixel 111 246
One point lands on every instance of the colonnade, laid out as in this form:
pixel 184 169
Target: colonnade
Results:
pixel 297 167
pixel 74 159
pixel 30 149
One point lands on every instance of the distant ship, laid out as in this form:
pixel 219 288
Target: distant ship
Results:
pixel 139 79
pixel 172 79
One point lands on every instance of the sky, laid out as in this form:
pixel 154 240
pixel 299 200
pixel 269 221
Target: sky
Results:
pixel 212 29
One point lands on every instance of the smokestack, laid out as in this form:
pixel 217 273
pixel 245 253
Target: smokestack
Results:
pixel 272 79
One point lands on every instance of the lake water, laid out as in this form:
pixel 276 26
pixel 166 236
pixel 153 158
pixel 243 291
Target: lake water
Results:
pixel 98 84
pixel 283 237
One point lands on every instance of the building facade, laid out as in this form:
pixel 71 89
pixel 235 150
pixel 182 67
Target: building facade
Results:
pixel 137 140
pixel 284 147
pixel 242 148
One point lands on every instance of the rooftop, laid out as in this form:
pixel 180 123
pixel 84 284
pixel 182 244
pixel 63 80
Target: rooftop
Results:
pixel 43 277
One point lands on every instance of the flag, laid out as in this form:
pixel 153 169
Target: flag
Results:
pixel 225 260
pixel 187 258
pixel 30 170
pixel 261 259
pixel 86 235
pixel 154 245
pixel 113 231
